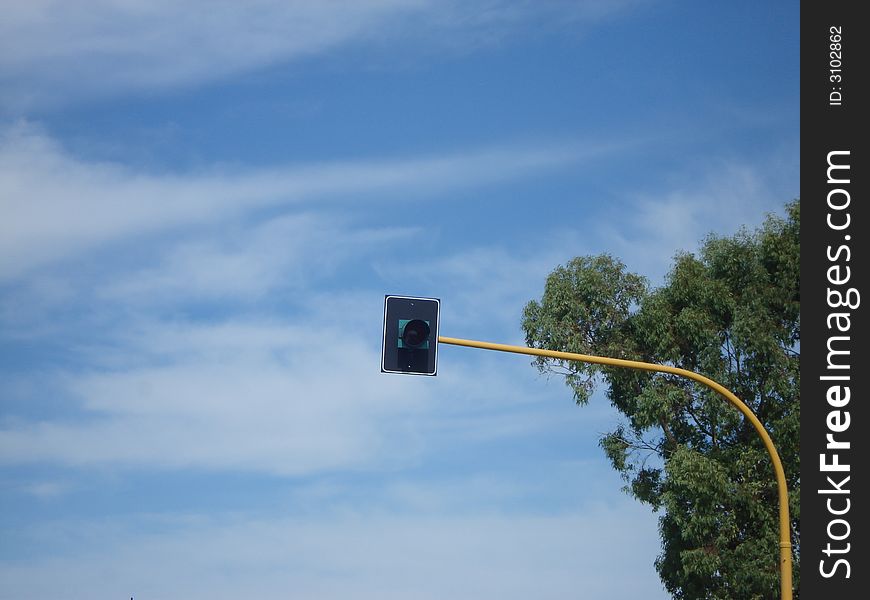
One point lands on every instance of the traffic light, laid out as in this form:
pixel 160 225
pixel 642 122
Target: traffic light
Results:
pixel 410 342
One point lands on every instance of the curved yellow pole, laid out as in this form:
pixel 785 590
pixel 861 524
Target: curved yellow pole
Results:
pixel 784 522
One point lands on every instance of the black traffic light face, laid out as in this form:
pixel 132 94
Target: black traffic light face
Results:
pixel 414 334
pixel 410 342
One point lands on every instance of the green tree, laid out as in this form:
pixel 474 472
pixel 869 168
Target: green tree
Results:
pixel 731 313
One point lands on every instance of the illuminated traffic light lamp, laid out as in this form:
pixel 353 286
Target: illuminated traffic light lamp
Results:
pixel 410 343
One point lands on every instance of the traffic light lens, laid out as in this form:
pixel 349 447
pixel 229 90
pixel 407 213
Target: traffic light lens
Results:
pixel 415 334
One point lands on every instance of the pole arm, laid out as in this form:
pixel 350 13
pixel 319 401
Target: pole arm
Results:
pixel 784 521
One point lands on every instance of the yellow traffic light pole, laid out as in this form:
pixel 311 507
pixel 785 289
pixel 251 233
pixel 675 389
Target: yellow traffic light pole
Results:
pixel 785 575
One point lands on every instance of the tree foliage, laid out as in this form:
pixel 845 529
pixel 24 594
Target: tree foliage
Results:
pixel 732 313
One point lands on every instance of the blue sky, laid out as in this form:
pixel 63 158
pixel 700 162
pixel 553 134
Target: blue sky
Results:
pixel 202 205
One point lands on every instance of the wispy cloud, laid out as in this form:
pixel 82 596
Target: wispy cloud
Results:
pixel 650 228
pixel 289 253
pixel 110 46
pixel 257 397
pixel 268 397
pixel 359 554
pixel 55 205
pixel 45 490
pixel 54 52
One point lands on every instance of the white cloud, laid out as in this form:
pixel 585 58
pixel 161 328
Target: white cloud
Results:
pixel 287 252
pixel 259 397
pixel 54 52
pixel 46 490
pixel 652 227
pixel 275 398
pixel 55 205
pixel 105 46
pixel 605 550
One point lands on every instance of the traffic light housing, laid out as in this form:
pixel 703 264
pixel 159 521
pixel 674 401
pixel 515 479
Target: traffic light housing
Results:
pixel 410 344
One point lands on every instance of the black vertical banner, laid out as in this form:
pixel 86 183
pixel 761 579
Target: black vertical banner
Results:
pixel 835 420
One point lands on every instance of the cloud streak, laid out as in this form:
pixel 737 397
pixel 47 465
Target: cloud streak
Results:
pixel 55 205
pixel 239 397
pixel 359 554
pixel 269 397
pixel 677 219
pixel 110 46
pixel 53 53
